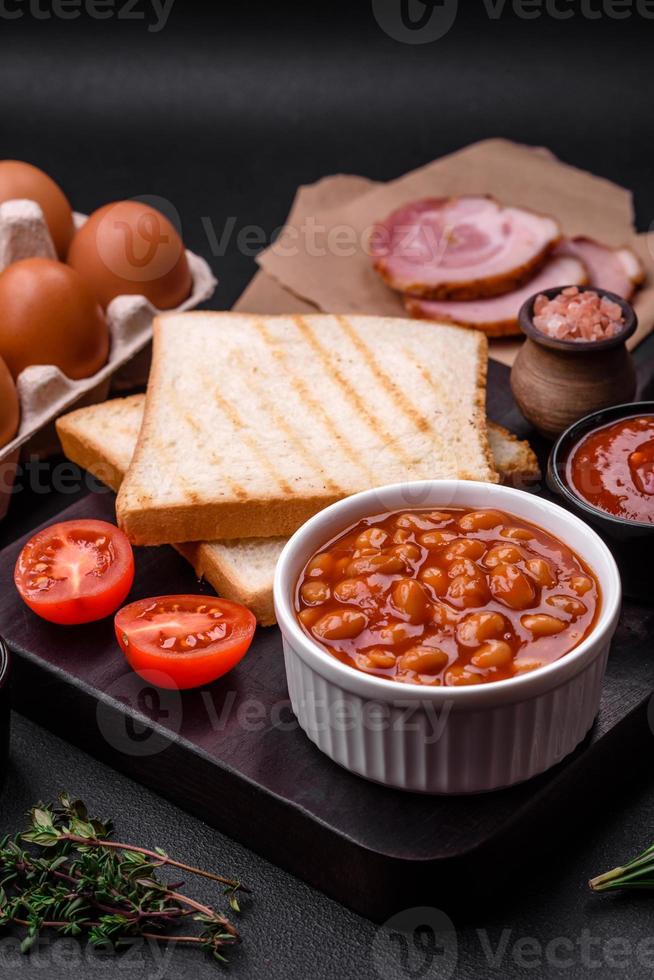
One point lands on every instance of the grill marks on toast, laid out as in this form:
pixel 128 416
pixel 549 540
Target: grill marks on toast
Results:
pixel 443 396
pixel 307 397
pixel 261 457
pixel 426 375
pixel 270 412
pixel 192 423
pixel 292 412
pixel 403 403
pixel 359 405
pixel 167 452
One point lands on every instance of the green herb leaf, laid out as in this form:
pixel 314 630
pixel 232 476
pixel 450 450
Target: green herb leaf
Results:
pixel 64 873
pixel 43 837
pixel 638 873
pixel 42 818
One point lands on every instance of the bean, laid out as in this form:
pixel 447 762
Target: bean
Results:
pixel 309 616
pixel 424 660
pixel 375 564
pixel 372 537
pixel 459 676
pixel 442 615
pixel 541 572
pixel 526 666
pixel 480 520
pixel 340 567
pixel 401 535
pixel 516 533
pixel 394 633
pixel 406 552
pixel 314 592
pixel 512 587
pixel 464 548
pixel 493 653
pixel 540 624
pixel 352 590
pixel 436 579
pixel 468 591
pixel 320 566
pixel 463 566
pixel 410 599
pixel 382 659
pixel 478 627
pixel 414 522
pixel 434 539
pixel 343 625
pixel 573 607
pixel 502 554
pixel 440 516
pixel 581 584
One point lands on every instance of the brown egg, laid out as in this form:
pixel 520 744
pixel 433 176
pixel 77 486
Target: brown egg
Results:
pixel 22 180
pixel 131 248
pixel 49 315
pixel 9 407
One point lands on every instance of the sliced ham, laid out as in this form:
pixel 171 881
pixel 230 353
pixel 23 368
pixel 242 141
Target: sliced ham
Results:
pixel 461 248
pixel 617 269
pixel 498 317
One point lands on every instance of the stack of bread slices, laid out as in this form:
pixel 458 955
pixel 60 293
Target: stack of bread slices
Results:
pixel 251 424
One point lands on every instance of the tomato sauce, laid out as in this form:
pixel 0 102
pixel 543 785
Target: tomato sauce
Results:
pixel 612 468
pixel 447 597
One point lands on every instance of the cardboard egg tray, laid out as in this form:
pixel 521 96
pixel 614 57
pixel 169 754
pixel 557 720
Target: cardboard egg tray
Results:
pixel 43 390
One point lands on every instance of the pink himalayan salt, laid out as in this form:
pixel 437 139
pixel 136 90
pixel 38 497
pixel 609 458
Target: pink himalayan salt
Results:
pixel 577 315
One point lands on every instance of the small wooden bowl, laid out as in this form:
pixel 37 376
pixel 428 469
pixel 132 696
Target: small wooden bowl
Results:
pixel 555 382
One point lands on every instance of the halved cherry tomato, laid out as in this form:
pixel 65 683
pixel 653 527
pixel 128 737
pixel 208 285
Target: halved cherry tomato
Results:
pixel 75 571
pixel 183 641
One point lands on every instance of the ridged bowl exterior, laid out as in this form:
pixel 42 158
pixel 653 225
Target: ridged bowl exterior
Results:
pixel 439 739
pixel 414 748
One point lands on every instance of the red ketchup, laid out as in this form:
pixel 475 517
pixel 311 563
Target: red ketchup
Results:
pixel 612 468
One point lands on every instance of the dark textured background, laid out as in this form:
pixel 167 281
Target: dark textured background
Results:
pixel 224 113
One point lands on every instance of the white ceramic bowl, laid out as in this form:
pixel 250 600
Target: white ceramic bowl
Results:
pixel 445 739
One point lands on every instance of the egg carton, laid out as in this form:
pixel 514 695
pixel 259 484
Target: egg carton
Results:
pixel 44 391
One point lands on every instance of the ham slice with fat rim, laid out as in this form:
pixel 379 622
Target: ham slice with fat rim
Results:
pixel 618 270
pixel 461 248
pixel 498 317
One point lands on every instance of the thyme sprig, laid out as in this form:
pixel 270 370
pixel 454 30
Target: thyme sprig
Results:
pixel 637 873
pixel 64 873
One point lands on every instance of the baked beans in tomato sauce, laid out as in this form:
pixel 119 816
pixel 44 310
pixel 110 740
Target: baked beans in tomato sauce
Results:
pixel 612 468
pixel 447 597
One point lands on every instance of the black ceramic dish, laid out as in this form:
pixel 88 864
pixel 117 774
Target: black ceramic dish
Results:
pixel 4 708
pixel 630 541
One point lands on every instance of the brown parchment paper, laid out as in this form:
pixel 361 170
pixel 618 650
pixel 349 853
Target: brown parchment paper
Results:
pixel 320 257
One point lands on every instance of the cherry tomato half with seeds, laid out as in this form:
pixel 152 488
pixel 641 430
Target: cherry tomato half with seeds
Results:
pixel 184 640
pixel 75 571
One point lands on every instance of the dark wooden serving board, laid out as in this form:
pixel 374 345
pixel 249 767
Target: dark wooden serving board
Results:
pixel 234 756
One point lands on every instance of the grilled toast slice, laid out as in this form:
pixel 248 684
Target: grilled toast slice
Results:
pixel 102 439
pixel 254 423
